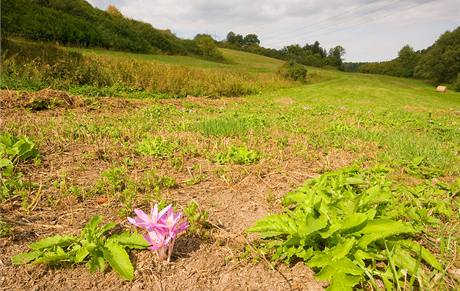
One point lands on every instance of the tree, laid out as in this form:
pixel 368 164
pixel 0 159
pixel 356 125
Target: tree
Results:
pixel 407 60
pixel 441 62
pixel 235 39
pixel 113 10
pixel 251 39
pixel 335 56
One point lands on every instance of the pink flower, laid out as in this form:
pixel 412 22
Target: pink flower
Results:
pixel 162 228
pixel 146 222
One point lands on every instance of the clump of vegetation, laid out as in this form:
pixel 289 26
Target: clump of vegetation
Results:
pixel 293 71
pixel 14 150
pixel 229 125
pixel 197 218
pixel 96 246
pixel 156 147
pixel 5 229
pixel 238 155
pixel 354 225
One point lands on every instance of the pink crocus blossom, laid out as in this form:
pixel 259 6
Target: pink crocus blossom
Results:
pixel 162 228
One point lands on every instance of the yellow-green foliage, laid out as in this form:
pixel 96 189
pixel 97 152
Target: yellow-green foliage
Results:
pixel 69 69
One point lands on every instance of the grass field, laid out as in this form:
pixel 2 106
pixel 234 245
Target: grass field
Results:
pixel 236 157
pixel 236 60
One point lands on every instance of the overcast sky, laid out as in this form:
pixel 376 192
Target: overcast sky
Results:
pixel 369 30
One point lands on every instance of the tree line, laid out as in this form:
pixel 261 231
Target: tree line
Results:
pixel 309 54
pixel 77 23
pixel 438 64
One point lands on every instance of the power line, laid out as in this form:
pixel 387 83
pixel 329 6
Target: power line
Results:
pixel 333 28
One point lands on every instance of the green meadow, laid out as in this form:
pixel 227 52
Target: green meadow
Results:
pixel 132 135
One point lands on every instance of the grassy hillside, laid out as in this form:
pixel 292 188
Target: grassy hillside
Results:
pixel 235 60
pixel 77 23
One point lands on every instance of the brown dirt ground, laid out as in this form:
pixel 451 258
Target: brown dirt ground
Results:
pixel 198 264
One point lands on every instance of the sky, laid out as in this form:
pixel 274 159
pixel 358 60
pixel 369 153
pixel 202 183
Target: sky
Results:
pixel 369 30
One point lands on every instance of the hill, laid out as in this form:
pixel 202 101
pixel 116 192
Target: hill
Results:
pixel 77 23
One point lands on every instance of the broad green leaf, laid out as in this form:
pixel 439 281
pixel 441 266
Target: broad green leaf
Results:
pixel 311 224
pixel 342 249
pixel 55 257
pixel 92 224
pixel 130 240
pixel 404 260
pixel 319 259
pixel 24 258
pixel 96 262
pixel 354 222
pixel 4 163
pixel 354 181
pixel 119 260
pixel 382 228
pixel 343 266
pixel 343 282
pixel 57 240
pixel 274 225
pixel 426 255
pixel 81 254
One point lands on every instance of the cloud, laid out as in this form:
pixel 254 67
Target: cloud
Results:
pixel 368 29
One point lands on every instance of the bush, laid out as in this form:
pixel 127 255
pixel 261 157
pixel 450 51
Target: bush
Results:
pixel 293 71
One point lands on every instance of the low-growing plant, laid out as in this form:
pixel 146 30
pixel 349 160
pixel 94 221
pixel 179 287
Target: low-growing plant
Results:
pixel 351 225
pixel 238 155
pixel 156 147
pixel 229 125
pixel 115 178
pixel 5 228
pixel 12 151
pixel 96 246
pixel 197 218
pixel 152 180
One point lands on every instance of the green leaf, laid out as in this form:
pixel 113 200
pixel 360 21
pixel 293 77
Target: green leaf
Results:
pixel 274 225
pixel 382 228
pixel 5 163
pixel 24 258
pixel 57 240
pixel 96 262
pixel 119 260
pixel 342 249
pixel 81 254
pixel 57 256
pixel 311 224
pixel 426 255
pixel 91 226
pixel 343 282
pixel 342 266
pixel 354 222
pixel 130 240
pixel 354 181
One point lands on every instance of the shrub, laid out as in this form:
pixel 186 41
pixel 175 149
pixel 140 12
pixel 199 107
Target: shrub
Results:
pixel 293 71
